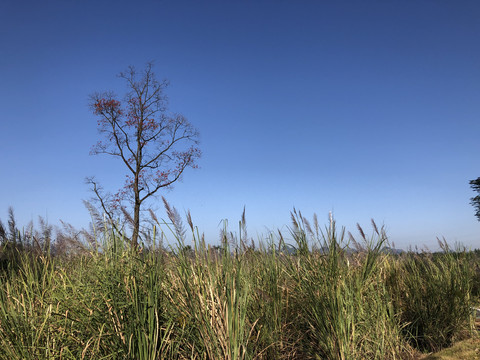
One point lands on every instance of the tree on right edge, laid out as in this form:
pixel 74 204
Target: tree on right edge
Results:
pixel 475 201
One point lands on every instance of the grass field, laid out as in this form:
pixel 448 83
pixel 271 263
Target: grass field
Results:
pixel 90 296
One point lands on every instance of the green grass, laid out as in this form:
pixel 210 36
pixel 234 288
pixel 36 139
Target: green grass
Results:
pixel 236 301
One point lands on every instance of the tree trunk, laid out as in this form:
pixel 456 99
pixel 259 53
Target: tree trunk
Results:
pixel 136 209
pixel 136 223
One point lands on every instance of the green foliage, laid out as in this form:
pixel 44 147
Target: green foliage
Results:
pixel 475 201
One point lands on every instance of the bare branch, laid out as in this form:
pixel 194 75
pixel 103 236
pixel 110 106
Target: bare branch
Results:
pixel 97 191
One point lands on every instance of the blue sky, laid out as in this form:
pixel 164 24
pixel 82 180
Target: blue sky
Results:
pixel 369 109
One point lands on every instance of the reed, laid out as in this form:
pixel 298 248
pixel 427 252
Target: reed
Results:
pixel 432 295
pixel 343 303
pixel 327 297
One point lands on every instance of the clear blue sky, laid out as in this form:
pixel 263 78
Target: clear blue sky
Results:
pixel 369 109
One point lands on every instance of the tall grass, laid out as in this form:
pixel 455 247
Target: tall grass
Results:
pixel 333 298
pixel 342 299
pixel 432 295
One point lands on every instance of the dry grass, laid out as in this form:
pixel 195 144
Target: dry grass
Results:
pixel 465 350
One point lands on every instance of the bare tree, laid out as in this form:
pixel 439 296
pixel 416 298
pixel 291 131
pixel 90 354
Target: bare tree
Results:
pixel 155 147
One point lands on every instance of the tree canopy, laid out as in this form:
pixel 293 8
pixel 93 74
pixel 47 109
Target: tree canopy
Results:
pixel 475 201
